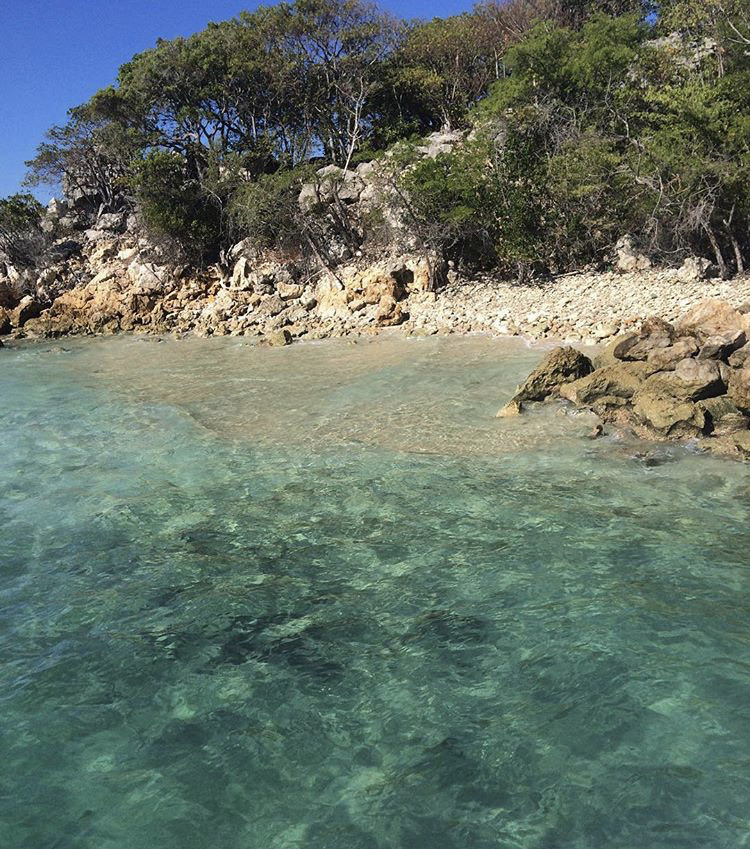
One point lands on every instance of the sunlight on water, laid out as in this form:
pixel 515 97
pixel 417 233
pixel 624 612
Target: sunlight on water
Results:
pixel 320 598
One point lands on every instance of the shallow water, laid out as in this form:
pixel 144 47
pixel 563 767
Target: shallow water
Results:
pixel 320 598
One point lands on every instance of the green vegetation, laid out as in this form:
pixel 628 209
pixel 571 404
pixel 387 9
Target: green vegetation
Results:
pixel 590 120
pixel 20 233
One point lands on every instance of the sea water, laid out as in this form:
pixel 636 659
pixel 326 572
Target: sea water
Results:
pixel 320 598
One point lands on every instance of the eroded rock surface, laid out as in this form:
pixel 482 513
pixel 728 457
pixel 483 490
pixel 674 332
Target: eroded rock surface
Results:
pixel 686 380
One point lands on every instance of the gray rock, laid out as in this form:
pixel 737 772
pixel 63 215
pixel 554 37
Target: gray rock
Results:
pixel 720 347
pixel 113 222
pixel 64 249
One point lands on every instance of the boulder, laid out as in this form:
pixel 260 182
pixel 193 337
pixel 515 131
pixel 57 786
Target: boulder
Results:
pixel 617 381
pixel 738 390
pixel 695 269
pixel 654 333
pixel 331 183
pixel 512 409
pixel 712 317
pixel 629 258
pixel 720 347
pixel 64 249
pixel 27 308
pixel 390 312
pixel 559 367
pixel 723 416
pixel 669 417
pixel 740 357
pixel 5 322
pixel 289 291
pixel 439 142
pixel 665 359
pixel 114 222
pixel 691 380
pixel 240 273
pixel 279 338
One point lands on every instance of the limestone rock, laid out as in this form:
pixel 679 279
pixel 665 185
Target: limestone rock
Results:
pixel 712 317
pixel 668 416
pixel 289 291
pixel 723 416
pixel 738 390
pixel 27 308
pixel 667 358
pixel 390 312
pixel 629 258
pixel 279 338
pixel 559 367
pixel 740 357
pixel 691 380
pixel 695 269
pixel 511 410
pixel 619 381
pixel 5 322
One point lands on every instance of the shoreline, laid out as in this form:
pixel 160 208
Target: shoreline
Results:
pixel 583 308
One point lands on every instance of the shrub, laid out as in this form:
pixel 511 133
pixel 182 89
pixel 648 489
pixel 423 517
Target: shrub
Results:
pixel 21 236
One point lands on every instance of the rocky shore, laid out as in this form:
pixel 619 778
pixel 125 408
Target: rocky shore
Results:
pixel 104 272
pixel 106 282
pixel 687 380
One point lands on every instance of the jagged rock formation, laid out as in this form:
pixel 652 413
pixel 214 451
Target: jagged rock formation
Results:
pixel 686 380
pixel 103 274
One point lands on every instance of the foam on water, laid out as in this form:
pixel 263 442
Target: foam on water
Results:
pixel 320 598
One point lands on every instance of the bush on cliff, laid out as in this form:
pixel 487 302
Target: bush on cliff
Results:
pixel 21 236
pixel 178 205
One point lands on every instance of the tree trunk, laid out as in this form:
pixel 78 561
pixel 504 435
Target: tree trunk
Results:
pixel 720 261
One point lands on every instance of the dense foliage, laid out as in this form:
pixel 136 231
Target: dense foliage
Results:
pixel 20 231
pixel 590 118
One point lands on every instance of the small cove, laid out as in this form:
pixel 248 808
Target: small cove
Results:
pixel 320 597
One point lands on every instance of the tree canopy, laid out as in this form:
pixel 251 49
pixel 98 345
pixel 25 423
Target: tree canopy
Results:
pixel 590 118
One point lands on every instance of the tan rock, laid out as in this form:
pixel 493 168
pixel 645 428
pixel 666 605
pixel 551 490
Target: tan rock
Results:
pixel 712 317
pixel 278 339
pixel 667 358
pixel 27 308
pixel 558 368
pixel 621 381
pixel 738 390
pixel 691 380
pixel 289 291
pixel 511 410
pixel 668 416
pixel 723 416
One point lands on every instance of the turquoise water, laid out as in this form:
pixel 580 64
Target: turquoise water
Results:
pixel 320 598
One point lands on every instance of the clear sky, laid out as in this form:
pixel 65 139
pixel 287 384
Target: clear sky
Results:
pixel 56 53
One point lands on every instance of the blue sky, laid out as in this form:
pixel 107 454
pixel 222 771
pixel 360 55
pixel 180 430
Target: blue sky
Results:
pixel 56 53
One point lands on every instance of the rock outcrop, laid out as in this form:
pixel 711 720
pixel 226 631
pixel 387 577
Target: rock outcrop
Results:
pixel 687 380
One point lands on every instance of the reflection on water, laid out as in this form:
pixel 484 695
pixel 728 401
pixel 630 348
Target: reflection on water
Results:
pixel 320 597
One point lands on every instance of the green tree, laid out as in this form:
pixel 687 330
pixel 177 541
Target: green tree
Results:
pixel 20 229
